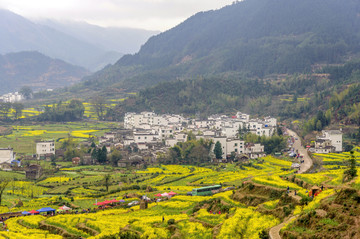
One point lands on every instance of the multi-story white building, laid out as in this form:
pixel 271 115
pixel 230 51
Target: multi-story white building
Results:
pixel 145 137
pixel 171 128
pixel 229 145
pixel 255 150
pixel 11 97
pixel 323 146
pixel 7 155
pixel 45 147
pixel 334 136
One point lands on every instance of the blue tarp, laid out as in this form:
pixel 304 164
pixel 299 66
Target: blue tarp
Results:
pixel 25 213
pixel 46 209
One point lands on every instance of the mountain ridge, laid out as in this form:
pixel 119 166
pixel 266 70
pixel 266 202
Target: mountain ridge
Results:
pixel 253 37
pixel 37 71
pixel 75 45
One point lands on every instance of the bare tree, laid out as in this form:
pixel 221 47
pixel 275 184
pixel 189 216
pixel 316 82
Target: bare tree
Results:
pixel 99 104
pixel 3 184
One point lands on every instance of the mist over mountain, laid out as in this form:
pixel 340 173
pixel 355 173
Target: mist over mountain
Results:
pixel 252 37
pixel 79 44
pixel 37 71
pixel 124 40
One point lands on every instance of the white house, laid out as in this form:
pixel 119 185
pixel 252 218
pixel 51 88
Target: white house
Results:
pixel 45 147
pixel 143 137
pixel 335 137
pixel 235 145
pixel 323 146
pixel 255 150
pixel 6 155
pixel 229 145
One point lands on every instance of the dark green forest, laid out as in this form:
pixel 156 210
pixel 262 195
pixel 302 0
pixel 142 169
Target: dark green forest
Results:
pixel 321 97
pixel 254 38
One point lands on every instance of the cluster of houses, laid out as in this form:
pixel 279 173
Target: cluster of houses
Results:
pixel 147 135
pixel 11 97
pixel 149 129
pixel 329 142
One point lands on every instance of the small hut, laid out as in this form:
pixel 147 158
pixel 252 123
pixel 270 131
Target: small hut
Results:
pixel 315 190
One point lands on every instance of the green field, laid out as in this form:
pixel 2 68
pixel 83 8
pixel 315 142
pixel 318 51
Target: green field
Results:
pixel 23 137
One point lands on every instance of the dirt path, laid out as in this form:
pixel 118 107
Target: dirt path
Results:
pixel 297 146
pixel 274 232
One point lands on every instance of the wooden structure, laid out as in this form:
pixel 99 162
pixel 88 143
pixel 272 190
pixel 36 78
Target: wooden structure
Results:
pixel 33 172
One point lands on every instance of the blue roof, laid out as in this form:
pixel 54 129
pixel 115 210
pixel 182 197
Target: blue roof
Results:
pixel 46 209
pixel 25 213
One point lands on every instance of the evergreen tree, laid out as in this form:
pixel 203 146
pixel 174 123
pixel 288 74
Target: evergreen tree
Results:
pixel 107 178
pixel 102 155
pixel 218 150
pixel 351 172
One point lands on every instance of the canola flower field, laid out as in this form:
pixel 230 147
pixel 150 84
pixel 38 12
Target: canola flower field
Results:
pixel 23 138
pixel 81 188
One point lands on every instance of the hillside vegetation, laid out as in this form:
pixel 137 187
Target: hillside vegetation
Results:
pixel 254 37
pixel 37 71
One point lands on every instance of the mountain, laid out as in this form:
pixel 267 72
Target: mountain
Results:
pixel 19 34
pixel 37 71
pixel 256 38
pixel 125 40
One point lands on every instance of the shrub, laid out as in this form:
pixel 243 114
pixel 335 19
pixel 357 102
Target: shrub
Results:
pixel 171 221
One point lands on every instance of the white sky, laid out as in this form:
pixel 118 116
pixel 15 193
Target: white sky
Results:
pixel 146 14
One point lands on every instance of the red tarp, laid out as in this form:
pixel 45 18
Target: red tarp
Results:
pixel 172 193
pixel 158 195
pixel 33 212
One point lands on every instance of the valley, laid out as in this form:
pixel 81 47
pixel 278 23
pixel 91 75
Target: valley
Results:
pixel 239 122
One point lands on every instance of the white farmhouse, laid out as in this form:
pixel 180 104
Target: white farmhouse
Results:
pixel 45 147
pixel 7 155
pixel 335 137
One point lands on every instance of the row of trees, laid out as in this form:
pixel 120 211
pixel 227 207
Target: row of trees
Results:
pixel 318 122
pixel 9 111
pixel 273 144
pixel 63 112
pixel 193 152
pixel 99 154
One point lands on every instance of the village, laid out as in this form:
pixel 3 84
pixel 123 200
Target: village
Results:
pixel 147 135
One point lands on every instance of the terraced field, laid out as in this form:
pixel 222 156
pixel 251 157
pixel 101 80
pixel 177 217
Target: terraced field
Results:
pixel 257 202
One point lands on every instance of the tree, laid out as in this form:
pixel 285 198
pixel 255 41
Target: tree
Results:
pixel 107 181
pixel 319 126
pixel 218 150
pixel 5 109
pixel 94 153
pixel 26 91
pixel 191 136
pixel 351 172
pixel 99 105
pixel 102 155
pixel 76 109
pixel 18 107
pixel 3 184
pixel 115 157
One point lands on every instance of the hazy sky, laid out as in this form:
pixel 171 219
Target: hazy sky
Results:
pixel 147 14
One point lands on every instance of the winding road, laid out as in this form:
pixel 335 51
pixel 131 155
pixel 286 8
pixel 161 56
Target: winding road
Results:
pixel 274 232
pixel 297 146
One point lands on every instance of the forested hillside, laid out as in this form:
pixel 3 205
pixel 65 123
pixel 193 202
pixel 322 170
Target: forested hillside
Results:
pixel 286 96
pixel 253 37
pixel 37 71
